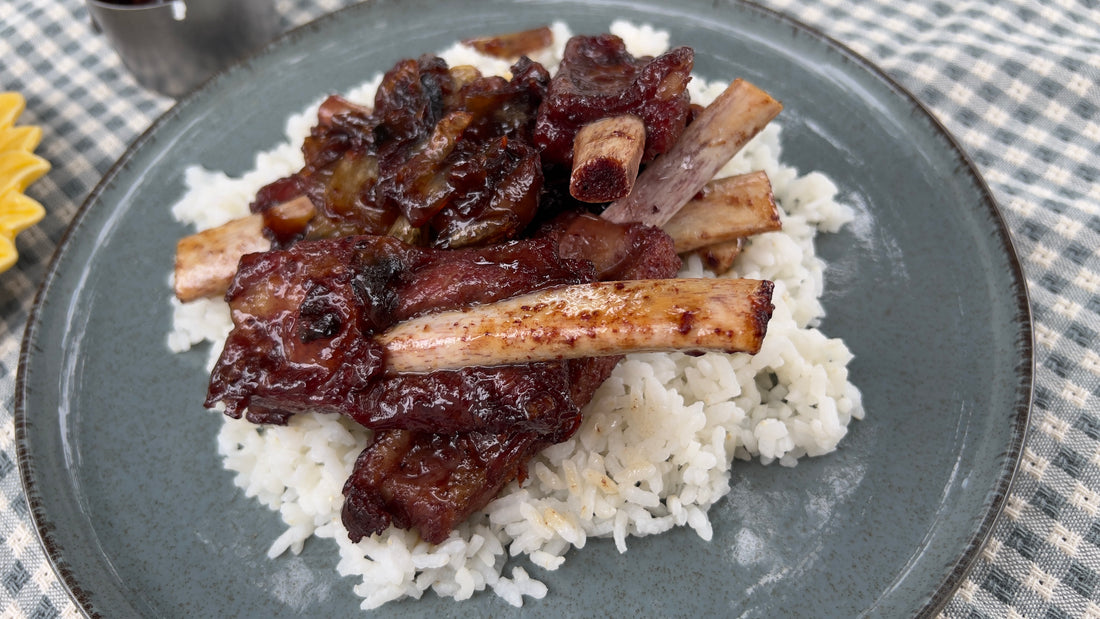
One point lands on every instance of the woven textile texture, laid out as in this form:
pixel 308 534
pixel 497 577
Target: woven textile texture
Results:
pixel 1016 82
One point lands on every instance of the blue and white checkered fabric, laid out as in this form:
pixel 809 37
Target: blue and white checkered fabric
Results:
pixel 1017 82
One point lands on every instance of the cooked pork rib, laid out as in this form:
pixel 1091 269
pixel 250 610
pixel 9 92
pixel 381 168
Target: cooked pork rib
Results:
pixel 599 79
pixel 448 158
pixel 713 138
pixel 586 320
pixel 432 482
pixel 305 317
pixel 727 208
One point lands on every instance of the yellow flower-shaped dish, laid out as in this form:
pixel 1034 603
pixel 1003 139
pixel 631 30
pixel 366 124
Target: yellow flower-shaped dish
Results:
pixel 19 167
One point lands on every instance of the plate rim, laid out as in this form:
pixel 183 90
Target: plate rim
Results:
pixel 965 562
pixel 996 497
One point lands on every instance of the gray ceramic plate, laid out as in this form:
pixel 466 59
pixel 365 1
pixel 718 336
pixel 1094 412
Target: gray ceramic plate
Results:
pixel 119 461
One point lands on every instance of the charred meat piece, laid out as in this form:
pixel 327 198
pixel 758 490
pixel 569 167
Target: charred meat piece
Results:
pixel 616 251
pixel 304 320
pixel 430 482
pixel 444 151
pixel 531 397
pixel 433 482
pixel 598 79
pixel 512 44
pixel 299 316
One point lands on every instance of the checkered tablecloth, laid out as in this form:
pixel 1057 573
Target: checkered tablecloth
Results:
pixel 1016 82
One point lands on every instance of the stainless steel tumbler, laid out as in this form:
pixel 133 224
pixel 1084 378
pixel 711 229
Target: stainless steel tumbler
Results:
pixel 171 46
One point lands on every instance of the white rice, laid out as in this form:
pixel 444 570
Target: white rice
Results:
pixel 658 439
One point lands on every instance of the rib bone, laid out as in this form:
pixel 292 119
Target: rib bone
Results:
pixel 587 320
pixel 207 261
pixel 606 155
pixel 715 136
pixel 727 209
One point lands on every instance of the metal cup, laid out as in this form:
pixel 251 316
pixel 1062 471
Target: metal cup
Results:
pixel 171 46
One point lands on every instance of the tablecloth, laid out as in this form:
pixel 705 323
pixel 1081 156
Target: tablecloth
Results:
pixel 1015 81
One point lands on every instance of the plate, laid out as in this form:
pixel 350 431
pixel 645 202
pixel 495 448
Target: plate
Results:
pixel 138 518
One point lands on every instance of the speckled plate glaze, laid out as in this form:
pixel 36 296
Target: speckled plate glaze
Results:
pixel 118 457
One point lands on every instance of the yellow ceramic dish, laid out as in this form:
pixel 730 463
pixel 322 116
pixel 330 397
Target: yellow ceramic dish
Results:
pixel 20 138
pixel 11 106
pixel 19 167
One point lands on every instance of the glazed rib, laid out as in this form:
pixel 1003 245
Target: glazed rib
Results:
pixel 207 261
pixel 712 139
pixel 726 209
pixel 586 320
